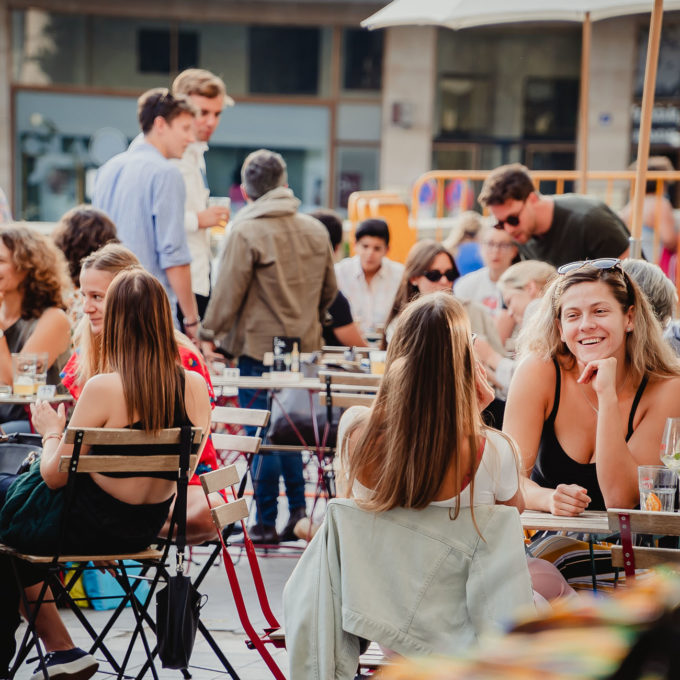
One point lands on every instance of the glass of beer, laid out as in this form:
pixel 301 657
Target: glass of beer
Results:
pixel 23 372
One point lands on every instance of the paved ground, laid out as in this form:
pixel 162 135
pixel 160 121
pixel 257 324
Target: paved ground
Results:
pixel 219 615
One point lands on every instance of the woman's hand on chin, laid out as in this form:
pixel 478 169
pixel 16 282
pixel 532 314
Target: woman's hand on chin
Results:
pixel 569 500
pixel 46 420
pixel 600 373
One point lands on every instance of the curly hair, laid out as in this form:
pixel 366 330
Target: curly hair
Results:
pixel 46 277
pixel 80 232
pixel 505 183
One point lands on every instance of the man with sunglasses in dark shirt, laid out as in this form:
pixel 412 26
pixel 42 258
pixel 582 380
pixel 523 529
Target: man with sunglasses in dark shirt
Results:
pixel 554 229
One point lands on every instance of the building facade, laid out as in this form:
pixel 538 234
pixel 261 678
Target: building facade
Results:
pixel 348 108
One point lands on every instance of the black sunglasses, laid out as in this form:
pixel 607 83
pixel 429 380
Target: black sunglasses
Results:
pixel 601 263
pixel 512 220
pixel 435 275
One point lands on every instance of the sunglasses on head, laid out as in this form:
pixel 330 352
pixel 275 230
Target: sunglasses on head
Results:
pixel 512 220
pixel 435 275
pixel 601 263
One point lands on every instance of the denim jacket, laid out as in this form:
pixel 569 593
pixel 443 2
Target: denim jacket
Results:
pixel 413 580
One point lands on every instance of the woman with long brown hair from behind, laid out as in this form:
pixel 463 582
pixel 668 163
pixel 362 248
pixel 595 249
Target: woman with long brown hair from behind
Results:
pixel 141 385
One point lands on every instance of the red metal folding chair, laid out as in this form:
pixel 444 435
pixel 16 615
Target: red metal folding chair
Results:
pixel 224 514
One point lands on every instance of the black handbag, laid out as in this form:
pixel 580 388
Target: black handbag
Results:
pixel 15 450
pixel 178 604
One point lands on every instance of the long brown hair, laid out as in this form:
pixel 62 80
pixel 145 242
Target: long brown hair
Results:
pixel 418 260
pixel 425 412
pixel 138 343
pixel 112 258
pixel 645 347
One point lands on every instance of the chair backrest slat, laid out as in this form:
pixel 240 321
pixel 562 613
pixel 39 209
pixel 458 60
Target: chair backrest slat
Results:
pixel 347 399
pixel 643 522
pixel 219 479
pixel 125 463
pixel 646 558
pixel 338 378
pixel 236 442
pixel 230 512
pixel 128 436
pixel 240 416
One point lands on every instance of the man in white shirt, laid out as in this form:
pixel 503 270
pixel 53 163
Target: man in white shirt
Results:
pixel 208 93
pixel 370 280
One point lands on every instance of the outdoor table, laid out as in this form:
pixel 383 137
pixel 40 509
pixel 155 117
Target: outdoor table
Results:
pixel 588 522
pixel 591 522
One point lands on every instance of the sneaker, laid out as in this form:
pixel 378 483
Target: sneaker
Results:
pixel 288 533
pixel 263 534
pixel 72 664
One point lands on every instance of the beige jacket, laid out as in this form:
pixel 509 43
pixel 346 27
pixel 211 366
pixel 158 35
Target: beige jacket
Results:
pixel 276 277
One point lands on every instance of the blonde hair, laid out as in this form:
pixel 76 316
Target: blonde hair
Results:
pixel 138 343
pixel 199 81
pixel 518 276
pixel 112 258
pixel 425 412
pixel 646 350
pixel 466 225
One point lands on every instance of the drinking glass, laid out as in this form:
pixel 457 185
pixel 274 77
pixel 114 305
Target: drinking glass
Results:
pixel 41 366
pixel 670 445
pixel 657 486
pixel 23 372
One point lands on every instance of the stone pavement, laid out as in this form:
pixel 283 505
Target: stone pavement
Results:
pixel 219 614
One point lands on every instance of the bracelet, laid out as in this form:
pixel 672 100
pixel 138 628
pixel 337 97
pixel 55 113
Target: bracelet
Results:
pixel 50 435
pixel 189 324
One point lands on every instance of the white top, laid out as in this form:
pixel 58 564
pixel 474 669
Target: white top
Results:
pixel 192 167
pixel 477 286
pixel 496 479
pixel 370 304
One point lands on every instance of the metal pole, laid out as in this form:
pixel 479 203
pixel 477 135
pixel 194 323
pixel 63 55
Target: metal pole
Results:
pixel 645 127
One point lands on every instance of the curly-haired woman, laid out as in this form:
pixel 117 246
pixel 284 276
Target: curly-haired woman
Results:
pixel 33 280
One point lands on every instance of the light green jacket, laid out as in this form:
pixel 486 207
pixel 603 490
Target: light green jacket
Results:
pixel 415 581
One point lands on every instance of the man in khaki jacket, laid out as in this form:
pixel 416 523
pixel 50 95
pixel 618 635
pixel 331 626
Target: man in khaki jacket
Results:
pixel 276 277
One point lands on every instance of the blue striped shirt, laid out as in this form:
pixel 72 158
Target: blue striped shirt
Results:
pixel 143 193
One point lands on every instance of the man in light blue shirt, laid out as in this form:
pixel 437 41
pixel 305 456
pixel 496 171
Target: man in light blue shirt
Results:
pixel 144 195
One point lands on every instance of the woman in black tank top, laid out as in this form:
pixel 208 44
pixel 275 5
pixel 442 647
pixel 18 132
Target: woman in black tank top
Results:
pixel 141 385
pixel 589 401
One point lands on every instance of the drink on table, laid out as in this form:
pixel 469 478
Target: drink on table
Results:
pixel 658 486
pixel 23 370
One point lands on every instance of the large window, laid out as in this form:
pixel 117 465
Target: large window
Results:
pixel 363 52
pixel 284 60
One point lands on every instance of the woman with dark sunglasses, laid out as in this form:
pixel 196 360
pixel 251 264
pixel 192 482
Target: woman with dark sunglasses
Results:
pixel 430 268
pixel 589 401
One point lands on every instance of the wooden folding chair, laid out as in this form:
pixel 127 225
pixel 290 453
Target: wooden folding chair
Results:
pixel 224 515
pixel 150 558
pixel 629 522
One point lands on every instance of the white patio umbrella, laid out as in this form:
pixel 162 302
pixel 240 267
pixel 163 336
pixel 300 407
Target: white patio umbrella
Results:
pixel 458 14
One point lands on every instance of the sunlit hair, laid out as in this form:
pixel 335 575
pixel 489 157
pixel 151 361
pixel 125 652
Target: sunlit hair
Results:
pixel 519 275
pixel 425 411
pixel 46 278
pixel 645 348
pixel 658 288
pixel 81 231
pixel 467 225
pixel 138 343
pixel 199 81
pixel 112 258
pixel 419 260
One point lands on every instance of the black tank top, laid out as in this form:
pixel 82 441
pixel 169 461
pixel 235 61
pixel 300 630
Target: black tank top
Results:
pixel 554 466
pixel 180 419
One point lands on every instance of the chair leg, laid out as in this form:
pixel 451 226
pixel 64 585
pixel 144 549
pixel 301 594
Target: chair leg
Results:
pixel 218 652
